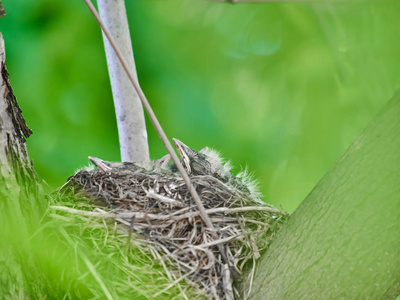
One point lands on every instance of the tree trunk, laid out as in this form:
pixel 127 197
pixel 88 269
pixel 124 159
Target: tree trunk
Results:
pixel 19 190
pixel 343 242
pixel 15 164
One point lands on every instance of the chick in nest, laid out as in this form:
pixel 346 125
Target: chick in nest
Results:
pixel 168 218
pixel 209 162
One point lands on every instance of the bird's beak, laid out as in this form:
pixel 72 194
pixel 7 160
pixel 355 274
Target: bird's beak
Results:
pixel 204 150
pixel 179 145
pixel 100 164
pixel 183 151
pixel 164 161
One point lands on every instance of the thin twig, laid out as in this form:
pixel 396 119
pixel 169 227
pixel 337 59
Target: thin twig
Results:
pixel 164 199
pixel 141 215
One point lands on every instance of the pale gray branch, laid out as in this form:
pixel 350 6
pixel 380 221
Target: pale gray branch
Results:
pixel 128 108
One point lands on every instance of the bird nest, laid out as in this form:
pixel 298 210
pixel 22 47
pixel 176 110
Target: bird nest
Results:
pixel 156 205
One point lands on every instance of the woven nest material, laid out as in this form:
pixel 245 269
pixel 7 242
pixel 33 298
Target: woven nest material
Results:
pixel 159 208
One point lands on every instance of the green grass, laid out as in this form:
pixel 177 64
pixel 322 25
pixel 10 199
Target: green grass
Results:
pixel 48 255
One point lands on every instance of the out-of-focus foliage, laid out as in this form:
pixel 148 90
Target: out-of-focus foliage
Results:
pixel 282 88
pixel 46 254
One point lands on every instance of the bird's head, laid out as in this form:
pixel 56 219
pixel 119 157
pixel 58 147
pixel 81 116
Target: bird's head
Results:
pixel 104 166
pixel 125 167
pixel 203 162
pixel 194 162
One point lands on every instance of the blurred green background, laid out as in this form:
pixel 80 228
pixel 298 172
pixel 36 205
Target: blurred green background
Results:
pixel 282 88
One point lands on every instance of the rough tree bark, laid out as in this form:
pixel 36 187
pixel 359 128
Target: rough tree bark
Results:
pixel 18 188
pixel 343 241
pixel 14 160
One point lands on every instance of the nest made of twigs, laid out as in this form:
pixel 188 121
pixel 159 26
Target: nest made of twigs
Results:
pixel 159 209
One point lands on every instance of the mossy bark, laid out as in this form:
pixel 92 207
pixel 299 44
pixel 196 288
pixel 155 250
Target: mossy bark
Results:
pixel 343 242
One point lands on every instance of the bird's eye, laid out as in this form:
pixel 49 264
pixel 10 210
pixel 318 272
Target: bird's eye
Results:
pixel 201 167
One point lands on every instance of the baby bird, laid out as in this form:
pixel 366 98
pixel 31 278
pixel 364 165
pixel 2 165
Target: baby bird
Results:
pixel 156 166
pixel 203 162
pixel 167 215
pixel 208 162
